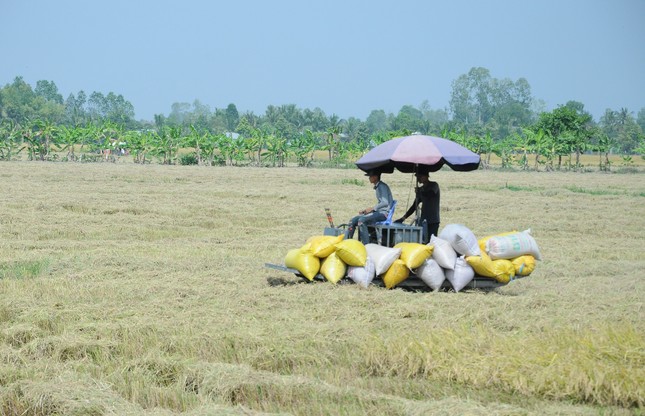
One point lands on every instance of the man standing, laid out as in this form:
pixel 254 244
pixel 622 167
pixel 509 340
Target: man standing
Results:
pixel 373 214
pixel 428 195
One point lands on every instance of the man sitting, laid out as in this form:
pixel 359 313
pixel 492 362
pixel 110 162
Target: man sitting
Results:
pixel 373 214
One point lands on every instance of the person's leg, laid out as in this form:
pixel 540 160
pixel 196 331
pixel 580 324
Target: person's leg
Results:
pixel 433 229
pixel 351 227
pixel 363 233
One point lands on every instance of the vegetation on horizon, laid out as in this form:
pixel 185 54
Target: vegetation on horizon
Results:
pixel 487 115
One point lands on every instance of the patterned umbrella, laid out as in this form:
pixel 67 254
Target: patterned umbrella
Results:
pixel 418 153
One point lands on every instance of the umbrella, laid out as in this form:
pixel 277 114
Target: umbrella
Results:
pixel 416 153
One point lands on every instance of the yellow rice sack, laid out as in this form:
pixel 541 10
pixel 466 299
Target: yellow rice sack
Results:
pixel 482 265
pixel 396 274
pixel 524 265
pixel 333 268
pixel 352 252
pixel 303 260
pixel 414 254
pixel 323 245
pixel 502 271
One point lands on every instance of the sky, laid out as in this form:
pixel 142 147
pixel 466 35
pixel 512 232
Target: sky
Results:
pixel 345 57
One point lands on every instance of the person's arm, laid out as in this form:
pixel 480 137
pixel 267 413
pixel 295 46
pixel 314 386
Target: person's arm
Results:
pixel 409 212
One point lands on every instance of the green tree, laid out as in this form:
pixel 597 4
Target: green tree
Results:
pixel 113 108
pixel 314 120
pixel 470 97
pixel 410 118
pixel 435 119
pixel 621 127
pixel 49 91
pixel 376 122
pixel 570 129
pixel 75 109
pixel 180 114
pixel 232 117
pixel 19 102
pixel 640 119
pixel 481 103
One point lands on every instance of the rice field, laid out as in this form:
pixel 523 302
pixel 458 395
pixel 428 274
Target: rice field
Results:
pixel 141 290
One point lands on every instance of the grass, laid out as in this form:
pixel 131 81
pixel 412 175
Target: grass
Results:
pixel 141 290
pixel 23 269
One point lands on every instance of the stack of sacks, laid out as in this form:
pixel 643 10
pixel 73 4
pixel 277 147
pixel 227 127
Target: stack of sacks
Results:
pixel 317 254
pixel 455 254
pixel 507 255
pixel 413 255
pixel 462 257
pixel 461 240
pixel 335 257
pixel 328 255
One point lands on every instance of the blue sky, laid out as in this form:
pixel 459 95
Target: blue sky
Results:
pixel 346 57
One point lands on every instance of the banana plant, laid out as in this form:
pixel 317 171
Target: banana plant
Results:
pixel 277 150
pixel 9 139
pixel 166 144
pixel 303 148
pixel 45 134
pixel 68 139
pixel 140 144
pixel 196 140
pixel 209 148
pixel 604 146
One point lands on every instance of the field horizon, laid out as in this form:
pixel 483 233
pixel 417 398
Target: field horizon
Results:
pixel 141 289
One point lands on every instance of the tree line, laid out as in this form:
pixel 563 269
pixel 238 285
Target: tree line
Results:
pixel 488 115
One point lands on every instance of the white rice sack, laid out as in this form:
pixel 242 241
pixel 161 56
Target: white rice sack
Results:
pixel 443 253
pixel 364 275
pixel 431 273
pixel 513 245
pixel 462 275
pixel 382 256
pixel 461 238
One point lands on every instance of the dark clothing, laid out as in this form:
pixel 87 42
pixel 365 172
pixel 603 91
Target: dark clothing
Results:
pixel 428 196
